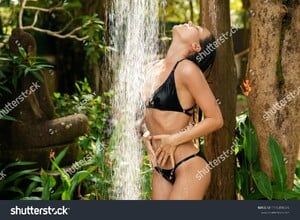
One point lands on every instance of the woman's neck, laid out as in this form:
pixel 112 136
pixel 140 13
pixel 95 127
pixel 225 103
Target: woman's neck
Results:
pixel 175 53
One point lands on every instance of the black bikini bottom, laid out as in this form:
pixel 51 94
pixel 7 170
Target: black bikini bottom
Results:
pixel 169 174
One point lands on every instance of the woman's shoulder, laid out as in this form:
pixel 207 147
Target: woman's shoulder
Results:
pixel 187 68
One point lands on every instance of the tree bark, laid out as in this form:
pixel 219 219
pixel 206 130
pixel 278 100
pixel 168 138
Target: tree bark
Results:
pixel 274 74
pixel 99 79
pixel 216 17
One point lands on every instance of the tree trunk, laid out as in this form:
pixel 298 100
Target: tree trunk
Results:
pixel 99 77
pixel 216 17
pixel 274 74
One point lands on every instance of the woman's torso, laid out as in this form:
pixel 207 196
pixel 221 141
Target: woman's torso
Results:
pixel 168 121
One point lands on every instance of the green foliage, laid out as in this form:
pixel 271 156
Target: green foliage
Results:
pixel 97 109
pixel 278 163
pixel 14 67
pixel 237 12
pixel 180 11
pixel 251 182
pixel 147 176
pixel 16 175
pixel 69 184
pixel 94 45
pixel 92 179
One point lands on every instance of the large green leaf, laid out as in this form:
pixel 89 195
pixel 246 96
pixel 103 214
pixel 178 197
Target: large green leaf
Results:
pixel 8 118
pixel 286 194
pixel 15 176
pixel 255 196
pixel 263 184
pixel 59 157
pixel 46 185
pixel 4 88
pixel 250 142
pixel 19 163
pixel 6 59
pixel 22 52
pixel 76 179
pixel 15 189
pixel 66 196
pixel 30 188
pixel 38 76
pixel 278 164
pixel 298 169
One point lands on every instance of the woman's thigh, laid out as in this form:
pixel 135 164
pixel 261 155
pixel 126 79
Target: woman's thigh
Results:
pixel 187 186
pixel 161 188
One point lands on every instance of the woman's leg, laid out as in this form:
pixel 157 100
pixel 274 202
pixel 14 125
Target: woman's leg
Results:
pixel 161 188
pixel 187 186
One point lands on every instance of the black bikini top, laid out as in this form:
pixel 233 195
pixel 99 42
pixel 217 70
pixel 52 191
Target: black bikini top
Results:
pixel 165 97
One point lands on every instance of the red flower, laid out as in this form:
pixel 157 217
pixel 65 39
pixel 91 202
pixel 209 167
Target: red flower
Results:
pixel 246 88
pixel 52 154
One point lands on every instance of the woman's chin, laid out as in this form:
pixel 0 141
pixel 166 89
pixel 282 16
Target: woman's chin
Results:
pixel 175 27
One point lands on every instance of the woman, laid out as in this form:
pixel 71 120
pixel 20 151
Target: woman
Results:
pixel 180 86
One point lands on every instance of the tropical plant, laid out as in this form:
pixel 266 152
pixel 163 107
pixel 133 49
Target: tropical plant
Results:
pixel 16 175
pixel 97 108
pixel 14 67
pixel 251 182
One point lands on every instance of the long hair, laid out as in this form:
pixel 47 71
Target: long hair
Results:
pixel 206 57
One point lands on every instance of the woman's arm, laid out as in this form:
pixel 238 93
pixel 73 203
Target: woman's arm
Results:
pixel 195 82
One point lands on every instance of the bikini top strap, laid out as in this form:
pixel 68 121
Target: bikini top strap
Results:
pixel 177 64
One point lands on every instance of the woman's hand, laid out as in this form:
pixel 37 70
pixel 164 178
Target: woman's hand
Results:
pixel 166 149
pixel 147 142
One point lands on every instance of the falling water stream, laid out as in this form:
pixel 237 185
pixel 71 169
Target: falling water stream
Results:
pixel 134 36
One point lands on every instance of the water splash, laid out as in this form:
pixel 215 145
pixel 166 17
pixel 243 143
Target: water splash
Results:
pixel 164 40
pixel 134 32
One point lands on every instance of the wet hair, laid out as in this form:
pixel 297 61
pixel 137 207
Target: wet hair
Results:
pixel 206 57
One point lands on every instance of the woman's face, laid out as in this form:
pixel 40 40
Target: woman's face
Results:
pixel 190 33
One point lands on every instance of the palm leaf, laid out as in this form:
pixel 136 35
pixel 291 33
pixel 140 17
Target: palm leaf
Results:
pixel 278 165
pixel 263 184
